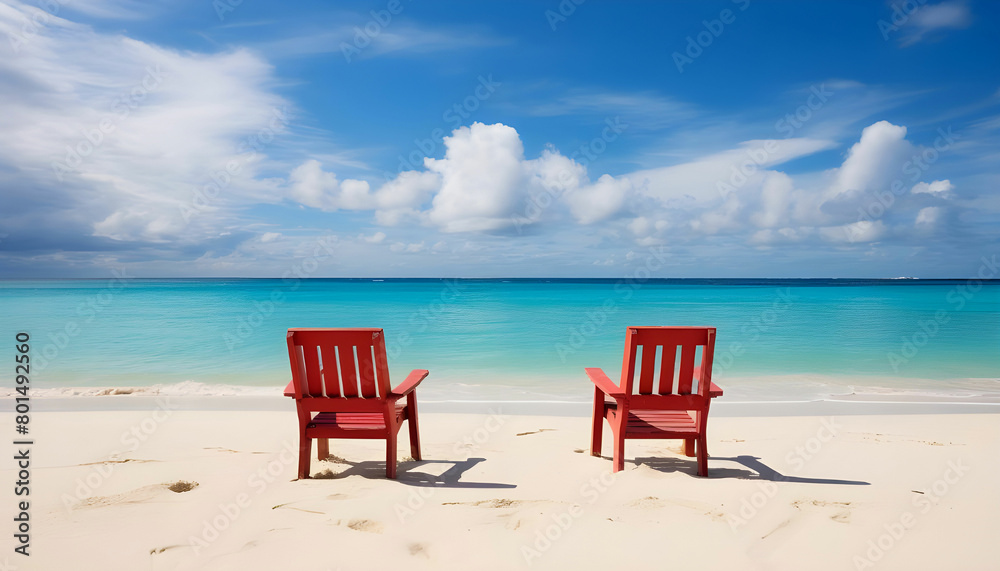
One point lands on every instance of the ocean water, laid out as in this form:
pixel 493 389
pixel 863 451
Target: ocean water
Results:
pixel 515 339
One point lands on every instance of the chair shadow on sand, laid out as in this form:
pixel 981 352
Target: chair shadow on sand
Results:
pixel 757 470
pixel 450 478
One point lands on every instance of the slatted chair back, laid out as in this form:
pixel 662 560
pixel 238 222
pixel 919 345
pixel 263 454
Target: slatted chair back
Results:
pixel 668 361
pixel 339 363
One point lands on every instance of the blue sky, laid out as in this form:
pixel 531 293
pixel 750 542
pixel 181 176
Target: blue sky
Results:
pixel 488 139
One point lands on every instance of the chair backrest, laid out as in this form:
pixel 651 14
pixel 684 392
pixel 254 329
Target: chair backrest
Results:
pixel 667 359
pixel 338 363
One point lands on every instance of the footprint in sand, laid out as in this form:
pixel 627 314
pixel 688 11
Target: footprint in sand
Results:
pixel 181 486
pixel 113 461
pixel 139 495
pixel 494 503
pixel 418 549
pixel 655 502
pixel 842 510
pixel 365 525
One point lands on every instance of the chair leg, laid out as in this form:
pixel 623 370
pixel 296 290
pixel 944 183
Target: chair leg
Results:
pixel 689 447
pixel 597 423
pixel 390 453
pixel 322 448
pixel 305 448
pixel 702 457
pixel 618 457
pixel 414 426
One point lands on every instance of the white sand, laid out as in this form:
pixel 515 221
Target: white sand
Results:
pixel 844 492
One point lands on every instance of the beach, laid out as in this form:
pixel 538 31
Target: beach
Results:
pixel 194 483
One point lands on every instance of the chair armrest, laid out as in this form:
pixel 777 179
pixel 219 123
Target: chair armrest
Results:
pixel 602 382
pixel 410 383
pixel 714 391
pixel 290 389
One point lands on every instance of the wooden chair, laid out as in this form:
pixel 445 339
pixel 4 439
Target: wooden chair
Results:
pixel 342 376
pixel 662 411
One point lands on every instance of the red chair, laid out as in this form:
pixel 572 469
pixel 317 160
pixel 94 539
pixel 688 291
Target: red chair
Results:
pixel 662 411
pixel 342 376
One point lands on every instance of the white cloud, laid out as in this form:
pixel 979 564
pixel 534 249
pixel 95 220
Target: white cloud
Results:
pixel 940 188
pixel 930 18
pixel 706 179
pixel 401 198
pixel 598 201
pixel 929 217
pixel 655 111
pixel 775 199
pixel 397 38
pixel 270 236
pixel 412 248
pixel 123 135
pixel 375 238
pixel 482 179
pixel 862 231
pixel 312 186
pixel 874 161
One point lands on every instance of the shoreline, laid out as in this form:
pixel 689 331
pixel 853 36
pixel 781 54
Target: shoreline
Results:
pixel 720 408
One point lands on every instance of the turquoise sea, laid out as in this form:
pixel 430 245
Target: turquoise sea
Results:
pixel 517 339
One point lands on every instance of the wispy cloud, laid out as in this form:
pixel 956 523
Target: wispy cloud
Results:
pixel 400 39
pixel 651 111
pixel 925 22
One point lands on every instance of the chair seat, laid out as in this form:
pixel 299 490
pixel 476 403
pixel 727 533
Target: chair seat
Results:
pixel 353 420
pixel 658 423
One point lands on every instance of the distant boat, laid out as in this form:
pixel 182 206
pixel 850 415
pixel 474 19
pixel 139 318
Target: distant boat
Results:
pixel 905 278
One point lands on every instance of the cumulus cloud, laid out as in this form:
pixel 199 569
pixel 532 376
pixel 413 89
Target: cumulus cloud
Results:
pixel 872 162
pixel 113 146
pixel 941 188
pixel 312 186
pixel 863 200
pixel 481 179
